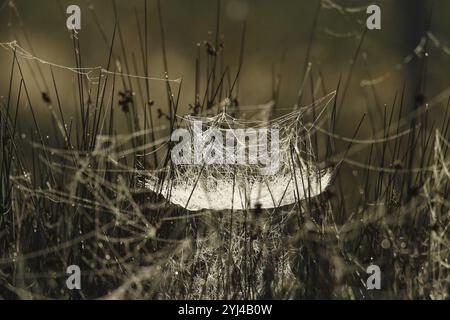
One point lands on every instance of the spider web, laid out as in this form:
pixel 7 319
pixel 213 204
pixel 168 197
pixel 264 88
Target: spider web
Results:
pixel 92 74
pixel 246 186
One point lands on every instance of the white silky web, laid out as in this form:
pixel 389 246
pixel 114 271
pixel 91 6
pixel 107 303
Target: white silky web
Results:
pixel 223 186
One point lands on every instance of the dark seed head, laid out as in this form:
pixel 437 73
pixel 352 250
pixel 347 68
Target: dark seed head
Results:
pixel 420 99
pixel 210 49
pixel 126 97
pixel 397 165
pixel 46 98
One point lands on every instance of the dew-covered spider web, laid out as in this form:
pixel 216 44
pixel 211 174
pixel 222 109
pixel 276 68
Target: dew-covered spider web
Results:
pixel 284 175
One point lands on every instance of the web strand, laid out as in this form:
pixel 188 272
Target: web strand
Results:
pixel 88 72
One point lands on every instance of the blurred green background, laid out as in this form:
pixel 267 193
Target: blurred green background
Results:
pixel 277 38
